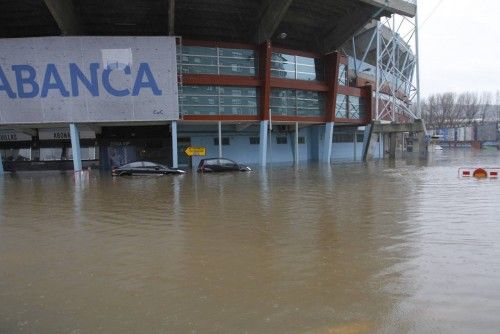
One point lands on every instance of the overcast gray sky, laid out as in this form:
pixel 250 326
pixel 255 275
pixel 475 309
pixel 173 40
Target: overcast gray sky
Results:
pixel 459 46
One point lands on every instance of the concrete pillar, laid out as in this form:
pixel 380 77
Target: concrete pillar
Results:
pixel 173 128
pixel 355 142
pixel 392 148
pixel 219 125
pixel 263 142
pixel 75 147
pixel 296 149
pixel 1 165
pixel 367 138
pixel 327 143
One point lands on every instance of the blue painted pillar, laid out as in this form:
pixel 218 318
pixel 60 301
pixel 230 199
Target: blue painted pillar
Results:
pixel 75 147
pixel 175 160
pixel 327 143
pixel 1 165
pixel 263 142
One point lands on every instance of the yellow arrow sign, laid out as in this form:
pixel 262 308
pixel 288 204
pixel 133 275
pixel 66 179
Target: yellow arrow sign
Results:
pixel 195 151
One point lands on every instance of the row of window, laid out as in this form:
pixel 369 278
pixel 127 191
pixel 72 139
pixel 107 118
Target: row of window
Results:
pixel 228 61
pixel 225 141
pixel 232 100
pixel 46 154
pixel 244 62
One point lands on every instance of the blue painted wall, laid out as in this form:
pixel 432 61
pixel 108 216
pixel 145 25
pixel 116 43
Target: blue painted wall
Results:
pixel 243 152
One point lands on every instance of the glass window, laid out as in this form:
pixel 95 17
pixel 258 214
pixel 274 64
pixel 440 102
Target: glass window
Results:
pixel 302 140
pixel 64 153
pixel 296 67
pixel 352 107
pixel 16 154
pixel 281 140
pixel 341 106
pixel 289 102
pixel 254 140
pixel 211 60
pixel 225 141
pixel 343 75
pixel 219 100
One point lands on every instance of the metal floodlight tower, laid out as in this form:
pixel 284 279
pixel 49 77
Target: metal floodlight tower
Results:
pixel 396 88
pixel 391 45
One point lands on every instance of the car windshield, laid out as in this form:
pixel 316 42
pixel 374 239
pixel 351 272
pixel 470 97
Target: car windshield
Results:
pixel 151 164
pixel 133 165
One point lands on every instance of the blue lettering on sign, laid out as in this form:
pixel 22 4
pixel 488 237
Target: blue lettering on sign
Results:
pixel 22 81
pixel 107 85
pixel 51 72
pixel 52 82
pixel 4 85
pixel 151 83
pixel 76 74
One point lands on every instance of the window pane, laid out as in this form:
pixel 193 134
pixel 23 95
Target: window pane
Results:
pixel 207 60
pixel 342 75
pixel 291 102
pixel 341 106
pixel 281 140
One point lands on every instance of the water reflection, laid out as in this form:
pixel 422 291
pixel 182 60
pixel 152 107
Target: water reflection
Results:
pixel 348 248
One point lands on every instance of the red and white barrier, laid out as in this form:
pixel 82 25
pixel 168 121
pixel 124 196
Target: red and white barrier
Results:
pixel 479 172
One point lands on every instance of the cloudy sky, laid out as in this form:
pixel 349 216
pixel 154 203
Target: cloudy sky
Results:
pixel 459 45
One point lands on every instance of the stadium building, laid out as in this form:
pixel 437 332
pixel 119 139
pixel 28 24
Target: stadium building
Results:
pixel 103 83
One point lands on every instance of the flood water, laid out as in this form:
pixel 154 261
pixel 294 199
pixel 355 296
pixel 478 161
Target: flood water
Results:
pixel 382 247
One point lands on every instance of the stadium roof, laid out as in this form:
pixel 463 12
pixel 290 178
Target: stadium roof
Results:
pixel 314 25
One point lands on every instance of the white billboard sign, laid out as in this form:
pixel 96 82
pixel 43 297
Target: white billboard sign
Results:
pixel 88 79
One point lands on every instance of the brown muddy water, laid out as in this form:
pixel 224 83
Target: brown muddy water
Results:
pixel 383 247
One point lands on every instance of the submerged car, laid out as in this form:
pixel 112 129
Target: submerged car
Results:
pixel 220 165
pixel 145 168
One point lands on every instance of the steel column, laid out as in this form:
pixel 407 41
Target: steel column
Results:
pixel 417 67
pixel 263 142
pixel 219 126
pixel 75 147
pixel 296 143
pixel 327 143
pixel 175 161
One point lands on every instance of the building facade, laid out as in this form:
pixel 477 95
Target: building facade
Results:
pixel 273 89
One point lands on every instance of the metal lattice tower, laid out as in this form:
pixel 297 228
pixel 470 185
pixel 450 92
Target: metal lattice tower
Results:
pixel 388 48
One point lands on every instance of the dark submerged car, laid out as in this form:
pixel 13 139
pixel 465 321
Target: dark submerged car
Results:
pixel 145 168
pixel 220 165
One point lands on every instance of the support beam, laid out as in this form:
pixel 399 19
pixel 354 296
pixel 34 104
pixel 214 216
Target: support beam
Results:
pixel 401 7
pixel 296 144
pixel 265 79
pixel 392 145
pixel 173 128
pixel 64 13
pixel 219 126
pixel 271 17
pixel 327 143
pixel 367 137
pixel 263 142
pixel 1 165
pixel 171 17
pixel 347 27
pixel 75 147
